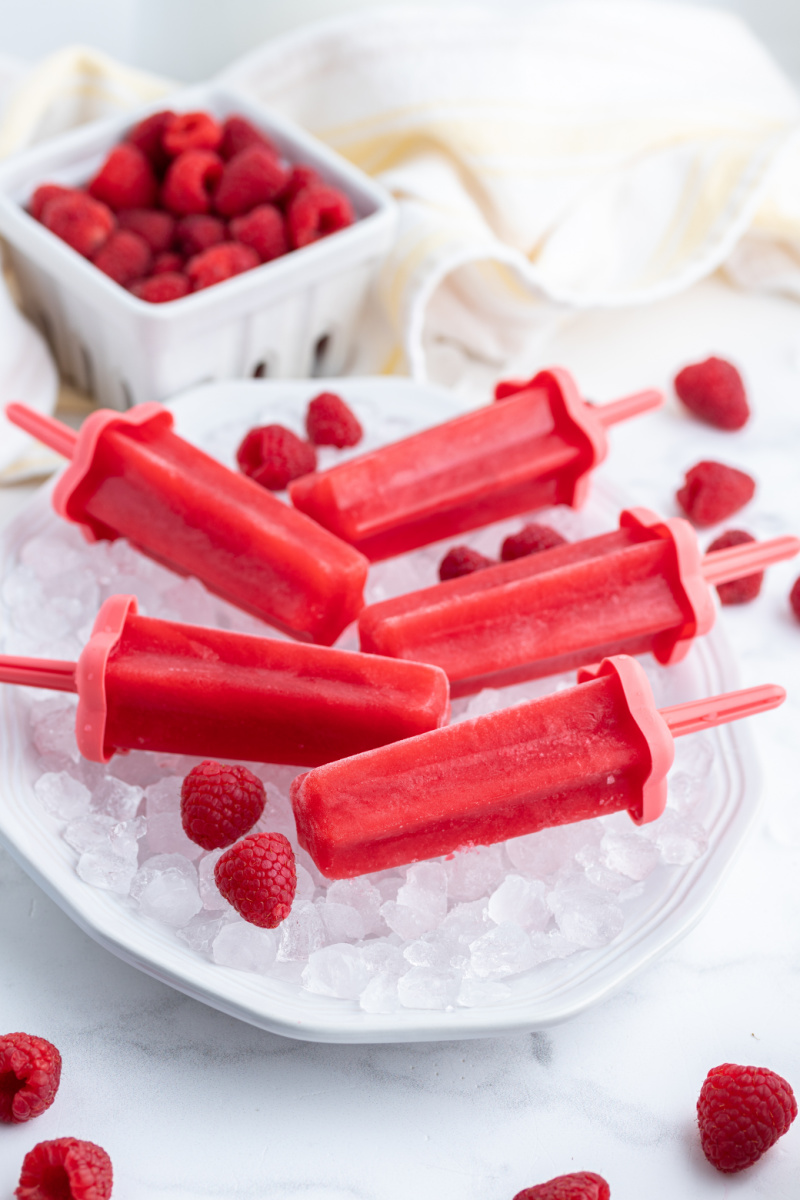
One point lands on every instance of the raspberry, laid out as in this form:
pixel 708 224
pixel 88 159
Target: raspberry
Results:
pixel 147 137
pixel 189 182
pixel 742 1111
pixel 530 540
pixel 273 456
pixel 157 228
pixel 30 1072
pixel 190 131
pixel 158 289
pixel 300 177
pixel 220 804
pixel 713 492
pixel 124 257
pixel 65 1169
pixel 794 598
pixel 43 195
pixel 168 263
pixel 317 212
pixel 219 263
pixel 329 422
pixel 737 591
pixel 257 876
pixel 125 180
pixel 253 176
pixel 198 232
pixel 462 560
pixel 714 392
pixel 582 1185
pixel 264 229
pixel 238 134
pixel 80 221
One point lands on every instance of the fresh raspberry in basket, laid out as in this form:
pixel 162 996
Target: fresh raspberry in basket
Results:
pixel 737 591
pixel 198 232
pixel 80 221
pixel 582 1185
pixel 273 456
pixel 147 137
pixel 190 131
pixel 220 263
pixel 742 1111
pixel 713 390
pixel 220 804
pixel 124 257
pixel 30 1072
pixel 462 560
pixel 169 262
pixel 43 195
pixel 253 176
pixel 300 177
pixel 329 422
pixel 258 877
pixel 238 134
pixel 317 212
pixel 157 228
pixel 264 229
pixel 189 182
pixel 794 598
pixel 713 492
pixel 65 1169
pixel 125 180
pixel 530 540
pixel 161 288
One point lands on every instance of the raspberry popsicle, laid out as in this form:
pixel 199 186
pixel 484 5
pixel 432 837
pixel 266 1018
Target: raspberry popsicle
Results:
pixel 148 684
pixel 598 748
pixel 643 588
pixel 534 449
pixel 132 476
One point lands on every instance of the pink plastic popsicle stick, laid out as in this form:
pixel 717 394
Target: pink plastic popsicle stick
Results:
pixel 719 710
pixel 628 406
pixel 38 672
pixel 720 566
pixel 53 433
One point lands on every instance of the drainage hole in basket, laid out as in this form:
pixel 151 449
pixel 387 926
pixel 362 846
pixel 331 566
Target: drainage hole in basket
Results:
pixel 261 370
pixel 127 395
pixel 321 348
pixel 88 372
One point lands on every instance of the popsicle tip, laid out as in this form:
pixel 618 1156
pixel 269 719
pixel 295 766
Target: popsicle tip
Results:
pixel 720 710
pixel 629 406
pixel 47 429
pixel 735 562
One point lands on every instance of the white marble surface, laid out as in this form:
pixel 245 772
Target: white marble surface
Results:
pixel 190 1103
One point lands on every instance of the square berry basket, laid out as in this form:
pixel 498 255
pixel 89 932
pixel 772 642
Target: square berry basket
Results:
pixel 294 316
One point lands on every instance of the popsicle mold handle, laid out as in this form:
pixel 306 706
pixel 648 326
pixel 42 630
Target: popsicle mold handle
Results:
pixel 629 406
pixel 90 673
pixel 735 562
pixel 720 710
pixel 46 429
pixel 38 672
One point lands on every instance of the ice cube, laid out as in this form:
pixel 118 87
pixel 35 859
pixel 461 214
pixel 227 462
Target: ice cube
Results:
pixel 467 921
pixel 480 993
pixel 686 791
pixel 425 890
pixel 678 840
pixel 117 798
pixel 209 892
pixel 164 796
pixel 542 854
pixel 424 987
pixel 301 933
pixel 338 970
pixel 361 895
pixel 188 601
pixel 503 951
pixel 165 833
pixel 304 892
pixel 342 921
pixel 628 854
pixel 53 730
pixel 62 796
pixel 380 994
pixel 201 932
pixel 552 945
pixel 245 947
pixel 521 900
pixel 586 915
pixel 165 887
pixel 599 874
pixel 408 923
pixel 89 833
pixel 434 949
pixel 103 869
pixel 474 872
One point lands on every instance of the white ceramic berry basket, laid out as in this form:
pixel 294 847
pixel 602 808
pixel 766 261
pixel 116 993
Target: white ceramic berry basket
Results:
pixel 671 901
pixel 294 316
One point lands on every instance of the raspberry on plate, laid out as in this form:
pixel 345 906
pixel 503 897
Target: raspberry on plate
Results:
pixel 220 804
pixel 713 390
pixel 190 131
pixel 741 1112
pixel 162 287
pixel 253 176
pixel 198 232
pixel 124 257
pixel 273 456
pixel 264 229
pixel 189 182
pixel 157 228
pixel 30 1072
pixel 65 1169
pixel 713 492
pixel 219 263
pixel 581 1185
pixel 530 540
pixel 258 877
pixel 329 422
pixel 737 591
pixel 80 221
pixel 125 180
pixel 462 560
pixel 794 598
pixel 147 136
pixel 317 212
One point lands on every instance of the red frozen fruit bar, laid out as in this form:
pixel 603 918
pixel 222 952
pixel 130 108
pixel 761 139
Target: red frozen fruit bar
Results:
pixel 132 476
pixel 713 492
pixel 594 749
pixel 162 287
pixel 643 589
pixel 125 180
pixel 190 131
pixel 80 221
pixel 124 257
pixel 713 390
pixel 190 181
pixel 148 684
pixel 535 449
pixel 157 228
pixel 253 176
pixel 315 212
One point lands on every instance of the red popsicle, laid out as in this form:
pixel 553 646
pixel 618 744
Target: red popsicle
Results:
pixel 534 449
pixel 132 476
pixel 598 748
pixel 644 588
pixel 148 684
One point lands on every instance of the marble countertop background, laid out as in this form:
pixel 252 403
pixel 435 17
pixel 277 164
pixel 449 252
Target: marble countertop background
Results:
pixel 190 1103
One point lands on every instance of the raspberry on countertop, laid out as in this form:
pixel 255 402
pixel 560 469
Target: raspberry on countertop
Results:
pixel 713 390
pixel 30 1072
pixel 65 1169
pixel 741 1112
pixel 712 492
pixel 737 591
pixel 581 1185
